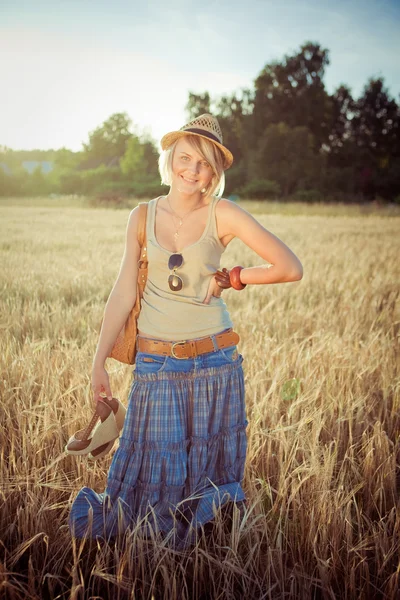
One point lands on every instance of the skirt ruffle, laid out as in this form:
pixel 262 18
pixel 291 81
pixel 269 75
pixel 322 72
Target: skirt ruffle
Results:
pixel 181 455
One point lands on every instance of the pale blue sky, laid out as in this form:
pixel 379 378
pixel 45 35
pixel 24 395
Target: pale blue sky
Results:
pixel 67 65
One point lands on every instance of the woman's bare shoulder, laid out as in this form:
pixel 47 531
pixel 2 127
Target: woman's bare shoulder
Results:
pixel 226 213
pixel 228 209
pixel 133 218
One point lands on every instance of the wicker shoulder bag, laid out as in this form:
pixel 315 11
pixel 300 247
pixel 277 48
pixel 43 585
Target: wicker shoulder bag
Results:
pixel 124 349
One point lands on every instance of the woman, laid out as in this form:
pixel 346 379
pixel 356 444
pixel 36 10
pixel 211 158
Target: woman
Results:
pixel 183 445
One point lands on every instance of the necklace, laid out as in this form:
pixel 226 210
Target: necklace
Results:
pixel 181 219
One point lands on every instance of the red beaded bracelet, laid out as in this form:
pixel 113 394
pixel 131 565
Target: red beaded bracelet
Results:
pixel 234 278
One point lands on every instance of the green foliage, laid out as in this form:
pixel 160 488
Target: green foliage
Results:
pixel 284 155
pixel 234 178
pixel 114 161
pixel 95 180
pixel 107 143
pixel 132 161
pixel 140 160
pixel 292 92
pixel 197 105
pixel 22 183
pixel 138 189
pixel 146 189
pixel 375 125
pixel 341 147
pixel 38 184
pixel 289 137
pixel 375 131
pixel 13 159
pixel 70 182
pixel 260 189
pixel 9 185
pixel 65 159
pixel 307 195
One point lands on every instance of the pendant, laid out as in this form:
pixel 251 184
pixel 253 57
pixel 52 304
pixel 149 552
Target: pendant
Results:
pixel 176 235
pixel 175 281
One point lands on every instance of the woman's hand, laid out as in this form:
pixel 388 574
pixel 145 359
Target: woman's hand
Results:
pixel 218 282
pixel 100 384
pixel 223 279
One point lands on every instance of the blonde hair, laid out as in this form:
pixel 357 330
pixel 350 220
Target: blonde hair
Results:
pixel 209 152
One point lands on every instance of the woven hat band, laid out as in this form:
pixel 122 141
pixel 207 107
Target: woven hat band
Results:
pixel 204 133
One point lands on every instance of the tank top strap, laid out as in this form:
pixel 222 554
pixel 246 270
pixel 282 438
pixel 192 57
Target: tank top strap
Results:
pixel 212 225
pixel 151 211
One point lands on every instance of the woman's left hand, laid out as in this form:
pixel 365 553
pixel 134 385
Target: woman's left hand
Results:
pixel 223 279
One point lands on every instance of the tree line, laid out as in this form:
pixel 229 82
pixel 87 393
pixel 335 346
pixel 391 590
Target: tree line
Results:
pixel 289 137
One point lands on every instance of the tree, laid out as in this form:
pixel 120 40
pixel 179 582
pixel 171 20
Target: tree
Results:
pixel 38 183
pixel 293 92
pixel 234 114
pixel 376 133
pixel 150 159
pixel 66 159
pixel 376 124
pixel 198 104
pixel 285 155
pixel 107 143
pixel 340 145
pixel 132 161
pixel 140 161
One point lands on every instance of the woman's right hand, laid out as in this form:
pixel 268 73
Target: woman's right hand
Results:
pixel 100 384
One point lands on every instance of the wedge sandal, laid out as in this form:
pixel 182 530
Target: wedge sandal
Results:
pixel 106 431
pixel 119 411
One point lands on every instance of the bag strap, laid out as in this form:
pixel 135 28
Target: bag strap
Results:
pixel 142 239
pixel 141 234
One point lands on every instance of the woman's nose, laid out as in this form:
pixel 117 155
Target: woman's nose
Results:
pixel 194 168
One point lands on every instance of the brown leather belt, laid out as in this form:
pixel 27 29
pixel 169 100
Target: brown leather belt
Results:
pixel 188 348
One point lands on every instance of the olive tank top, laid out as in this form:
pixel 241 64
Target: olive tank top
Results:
pixel 182 315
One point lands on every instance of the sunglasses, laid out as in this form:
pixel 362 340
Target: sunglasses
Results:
pixel 174 281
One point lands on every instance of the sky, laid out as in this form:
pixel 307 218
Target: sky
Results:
pixel 67 65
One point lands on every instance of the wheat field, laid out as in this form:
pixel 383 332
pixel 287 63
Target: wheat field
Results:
pixel 321 360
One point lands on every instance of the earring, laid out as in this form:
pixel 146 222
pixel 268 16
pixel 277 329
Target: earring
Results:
pixel 203 191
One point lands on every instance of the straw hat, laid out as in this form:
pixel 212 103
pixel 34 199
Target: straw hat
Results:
pixel 205 126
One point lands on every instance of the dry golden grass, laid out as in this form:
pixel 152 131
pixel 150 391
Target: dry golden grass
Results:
pixel 321 363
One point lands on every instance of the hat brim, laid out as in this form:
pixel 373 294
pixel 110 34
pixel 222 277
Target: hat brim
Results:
pixel 169 138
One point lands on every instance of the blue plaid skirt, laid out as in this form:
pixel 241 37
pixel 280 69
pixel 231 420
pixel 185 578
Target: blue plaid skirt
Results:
pixel 181 452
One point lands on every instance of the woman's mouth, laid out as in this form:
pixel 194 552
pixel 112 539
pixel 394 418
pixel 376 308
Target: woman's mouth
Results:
pixel 189 180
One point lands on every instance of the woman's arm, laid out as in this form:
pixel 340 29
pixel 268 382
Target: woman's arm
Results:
pixel 233 221
pixel 123 294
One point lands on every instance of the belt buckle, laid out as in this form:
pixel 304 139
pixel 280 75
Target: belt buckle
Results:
pixel 173 353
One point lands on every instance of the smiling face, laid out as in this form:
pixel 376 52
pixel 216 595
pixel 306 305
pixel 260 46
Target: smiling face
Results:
pixel 190 170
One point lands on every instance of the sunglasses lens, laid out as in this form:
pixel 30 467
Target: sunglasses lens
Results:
pixel 175 261
pixel 175 283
